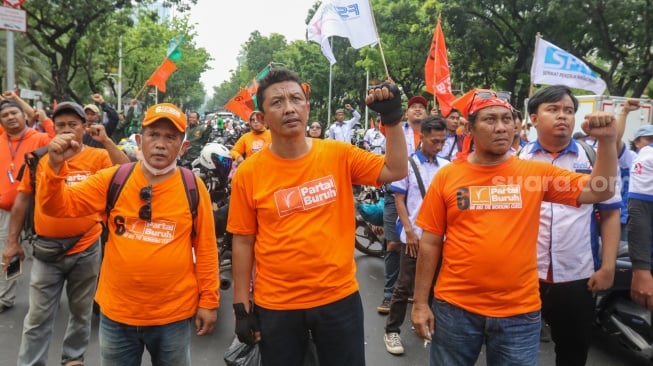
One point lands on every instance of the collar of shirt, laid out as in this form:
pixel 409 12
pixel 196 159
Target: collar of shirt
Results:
pixel 571 148
pixel 423 159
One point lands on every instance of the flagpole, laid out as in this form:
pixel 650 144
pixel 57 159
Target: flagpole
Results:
pixel 330 88
pixel 531 89
pixel 367 82
pixel 385 65
pixel 435 63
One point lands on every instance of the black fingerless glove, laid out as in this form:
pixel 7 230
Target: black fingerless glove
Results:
pixel 390 109
pixel 246 323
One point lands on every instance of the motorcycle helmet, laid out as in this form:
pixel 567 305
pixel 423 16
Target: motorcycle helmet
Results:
pixel 216 158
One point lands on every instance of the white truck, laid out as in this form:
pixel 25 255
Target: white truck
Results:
pixel 597 103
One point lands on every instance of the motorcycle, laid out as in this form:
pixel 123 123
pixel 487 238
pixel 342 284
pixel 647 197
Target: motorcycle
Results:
pixel 620 317
pixel 369 220
pixel 213 166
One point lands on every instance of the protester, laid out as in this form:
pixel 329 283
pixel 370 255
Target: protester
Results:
pixel 485 205
pixel 77 268
pixel 409 193
pixel 374 140
pixel 517 141
pixel 94 116
pixel 415 111
pixel 340 129
pixel 129 125
pixel 197 135
pixel 454 140
pixel 251 142
pixel 565 262
pixel 16 140
pixel 285 216
pixel 316 130
pixel 160 264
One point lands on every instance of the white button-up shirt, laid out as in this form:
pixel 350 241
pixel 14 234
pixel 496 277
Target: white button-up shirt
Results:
pixel 563 243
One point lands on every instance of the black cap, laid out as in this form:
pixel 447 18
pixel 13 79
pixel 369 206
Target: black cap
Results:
pixel 69 106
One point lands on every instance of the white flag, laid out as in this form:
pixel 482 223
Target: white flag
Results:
pixel 345 18
pixel 553 65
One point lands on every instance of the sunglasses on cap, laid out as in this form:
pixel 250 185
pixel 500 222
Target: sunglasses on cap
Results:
pixel 145 212
pixel 485 94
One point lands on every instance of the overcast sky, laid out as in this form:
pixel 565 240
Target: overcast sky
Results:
pixel 223 26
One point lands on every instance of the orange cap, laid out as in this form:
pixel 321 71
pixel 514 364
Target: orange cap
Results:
pixel 167 111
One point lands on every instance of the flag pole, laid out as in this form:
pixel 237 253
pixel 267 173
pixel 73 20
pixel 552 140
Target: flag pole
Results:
pixel 532 86
pixel 435 63
pixel 328 123
pixel 385 65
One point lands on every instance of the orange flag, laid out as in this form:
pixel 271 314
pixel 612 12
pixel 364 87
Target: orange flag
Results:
pixel 241 104
pixel 436 71
pixel 161 75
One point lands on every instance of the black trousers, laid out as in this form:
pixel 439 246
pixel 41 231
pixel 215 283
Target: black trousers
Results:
pixel 568 308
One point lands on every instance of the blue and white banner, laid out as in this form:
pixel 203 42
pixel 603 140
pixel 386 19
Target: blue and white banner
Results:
pixel 350 19
pixel 553 65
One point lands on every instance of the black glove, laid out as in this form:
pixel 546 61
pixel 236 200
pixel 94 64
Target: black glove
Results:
pixel 246 323
pixel 389 109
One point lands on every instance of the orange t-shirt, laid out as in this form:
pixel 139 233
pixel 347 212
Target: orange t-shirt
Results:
pixel 302 213
pixel 80 167
pixel 149 275
pixel 250 143
pixel 12 157
pixel 489 216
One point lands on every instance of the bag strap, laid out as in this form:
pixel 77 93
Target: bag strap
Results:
pixel 31 162
pixel 124 171
pixel 589 151
pixel 192 194
pixel 115 186
pixel 418 176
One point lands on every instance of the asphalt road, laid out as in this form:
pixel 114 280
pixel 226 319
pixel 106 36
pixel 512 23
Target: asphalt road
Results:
pixel 210 350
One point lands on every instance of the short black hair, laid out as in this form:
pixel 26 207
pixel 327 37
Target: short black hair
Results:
pixel 551 94
pixel 275 75
pixel 452 111
pixel 432 123
pixel 10 103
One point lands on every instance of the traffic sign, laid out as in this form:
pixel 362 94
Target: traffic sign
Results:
pixel 13 19
pixel 14 3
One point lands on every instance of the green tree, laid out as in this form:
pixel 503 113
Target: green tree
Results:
pixel 57 29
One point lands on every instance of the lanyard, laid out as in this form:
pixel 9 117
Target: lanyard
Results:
pixel 14 152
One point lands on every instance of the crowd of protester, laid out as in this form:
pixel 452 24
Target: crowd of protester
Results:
pixel 150 262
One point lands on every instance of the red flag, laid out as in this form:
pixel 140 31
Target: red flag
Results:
pixel 161 75
pixel 436 71
pixel 241 104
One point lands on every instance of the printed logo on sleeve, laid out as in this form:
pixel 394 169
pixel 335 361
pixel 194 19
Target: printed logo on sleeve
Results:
pixel 315 193
pixel 499 197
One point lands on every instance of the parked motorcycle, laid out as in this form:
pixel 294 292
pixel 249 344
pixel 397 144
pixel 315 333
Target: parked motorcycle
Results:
pixel 369 220
pixel 620 317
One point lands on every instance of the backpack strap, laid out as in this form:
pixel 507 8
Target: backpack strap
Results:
pixel 589 151
pixel 418 176
pixel 31 162
pixel 124 171
pixel 192 194
pixel 117 183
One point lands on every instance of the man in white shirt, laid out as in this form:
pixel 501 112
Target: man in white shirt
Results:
pixel 341 129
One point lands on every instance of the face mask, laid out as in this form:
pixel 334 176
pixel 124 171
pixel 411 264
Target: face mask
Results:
pixel 166 170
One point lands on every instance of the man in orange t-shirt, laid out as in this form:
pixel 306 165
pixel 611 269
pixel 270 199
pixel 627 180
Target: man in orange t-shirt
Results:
pixel 252 141
pixel 296 222
pixel 160 265
pixel 78 270
pixel 16 140
pixel 485 205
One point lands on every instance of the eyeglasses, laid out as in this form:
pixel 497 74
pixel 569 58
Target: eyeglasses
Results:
pixel 145 212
